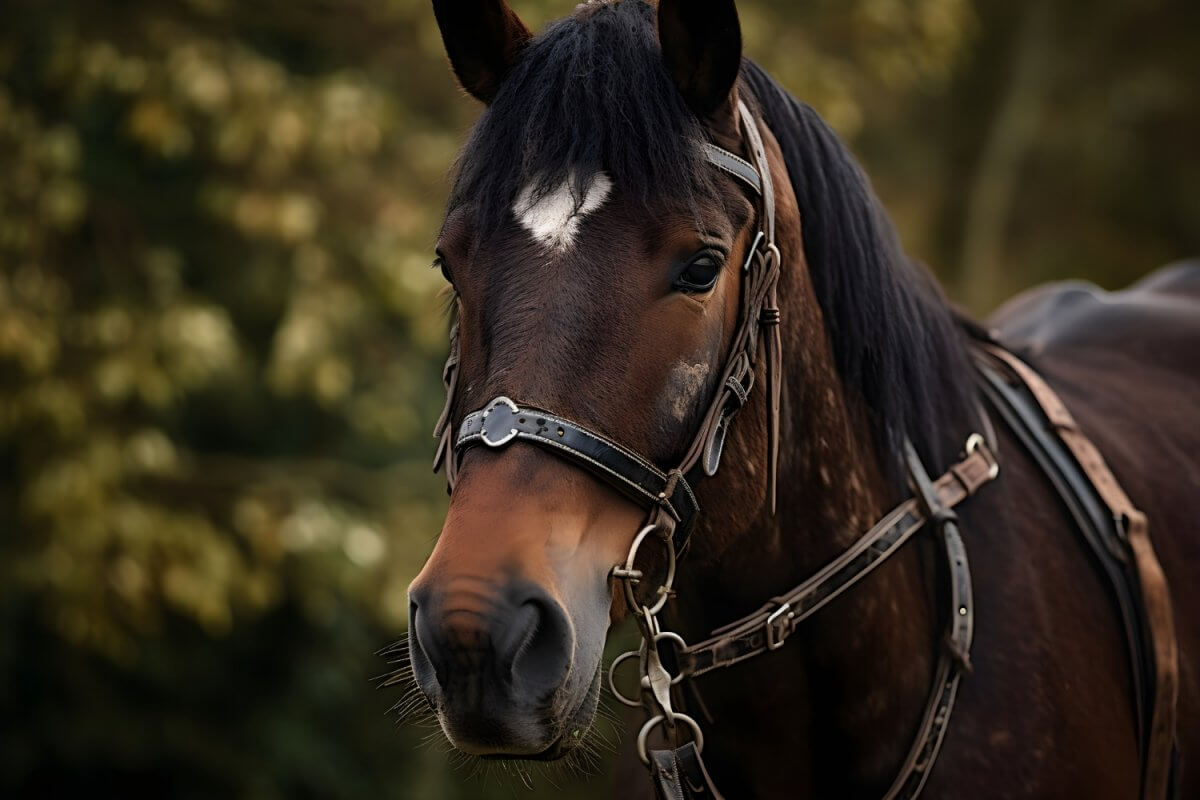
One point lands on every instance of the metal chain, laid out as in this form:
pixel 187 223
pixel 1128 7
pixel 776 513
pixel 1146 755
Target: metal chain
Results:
pixel 655 680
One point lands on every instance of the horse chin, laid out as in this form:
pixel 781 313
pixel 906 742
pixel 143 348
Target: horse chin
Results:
pixel 569 731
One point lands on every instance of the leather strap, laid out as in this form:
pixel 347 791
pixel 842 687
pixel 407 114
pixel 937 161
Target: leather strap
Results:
pixel 955 656
pixel 767 628
pixel 736 166
pixel 444 457
pixel 680 774
pixel 502 421
pixel 1156 598
pixel 1021 412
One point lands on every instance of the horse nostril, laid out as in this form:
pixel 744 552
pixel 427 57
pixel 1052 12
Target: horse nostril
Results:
pixel 424 651
pixel 543 655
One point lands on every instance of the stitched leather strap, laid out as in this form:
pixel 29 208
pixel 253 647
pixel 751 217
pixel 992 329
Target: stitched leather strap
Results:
pixel 955 657
pixel 680 774
pixel 1156 598
pixel 502 421
pixel 736 166
pixel 768 627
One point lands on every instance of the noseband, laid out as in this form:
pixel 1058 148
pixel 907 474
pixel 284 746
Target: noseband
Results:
pixel 672 511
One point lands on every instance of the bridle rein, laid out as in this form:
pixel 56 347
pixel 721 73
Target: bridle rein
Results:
pixel 672 510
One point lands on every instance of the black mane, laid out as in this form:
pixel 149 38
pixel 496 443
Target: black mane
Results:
pixel 895 340
pixel 592 93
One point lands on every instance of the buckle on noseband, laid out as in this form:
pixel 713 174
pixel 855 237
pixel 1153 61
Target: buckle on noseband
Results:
pixel 499 416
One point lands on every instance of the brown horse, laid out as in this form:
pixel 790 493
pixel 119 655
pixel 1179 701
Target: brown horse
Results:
pixel 596 257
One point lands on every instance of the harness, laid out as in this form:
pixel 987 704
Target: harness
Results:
pixel 672 509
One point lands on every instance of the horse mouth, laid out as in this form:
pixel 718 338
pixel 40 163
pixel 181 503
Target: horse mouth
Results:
pixel 573 729
pixel 558 749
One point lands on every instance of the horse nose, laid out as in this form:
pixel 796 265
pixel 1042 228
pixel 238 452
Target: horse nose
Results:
pixel 485 653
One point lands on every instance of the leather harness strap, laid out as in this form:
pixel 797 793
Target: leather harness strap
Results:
pixel 502 421
pixel 1155 594
pixel 769 627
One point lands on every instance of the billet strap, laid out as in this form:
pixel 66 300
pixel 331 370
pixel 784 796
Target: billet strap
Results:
pixel 502 421
pixel 767 628
pixel 1156 597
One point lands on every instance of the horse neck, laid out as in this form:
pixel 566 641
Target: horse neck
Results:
pixel 847 689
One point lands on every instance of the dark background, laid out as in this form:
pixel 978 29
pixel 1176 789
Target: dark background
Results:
pixel 220 339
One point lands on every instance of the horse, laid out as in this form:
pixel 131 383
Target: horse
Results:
pixel 602 241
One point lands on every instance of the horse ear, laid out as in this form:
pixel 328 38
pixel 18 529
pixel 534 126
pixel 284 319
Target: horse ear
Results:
pixel 702 46
pixel 483 38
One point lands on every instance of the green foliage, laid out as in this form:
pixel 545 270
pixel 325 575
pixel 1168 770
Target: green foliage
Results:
pixel 220 340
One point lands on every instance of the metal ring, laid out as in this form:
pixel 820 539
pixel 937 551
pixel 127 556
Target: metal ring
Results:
pixel 697 734
pixel 677 639
pixel 664 589
pixel 612 683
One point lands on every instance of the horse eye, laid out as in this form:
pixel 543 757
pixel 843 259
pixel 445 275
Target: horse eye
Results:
pixel 700 274
pixel 440 263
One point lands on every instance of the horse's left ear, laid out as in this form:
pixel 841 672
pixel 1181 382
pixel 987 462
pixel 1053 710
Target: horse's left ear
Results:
pixel 483 38
pixel 702 46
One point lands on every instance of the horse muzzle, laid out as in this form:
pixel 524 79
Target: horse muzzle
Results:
pixel 492 656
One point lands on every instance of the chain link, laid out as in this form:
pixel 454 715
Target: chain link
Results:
pixel 654 679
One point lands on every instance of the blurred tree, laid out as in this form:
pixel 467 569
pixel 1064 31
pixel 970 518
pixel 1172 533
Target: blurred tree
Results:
pixel 220 340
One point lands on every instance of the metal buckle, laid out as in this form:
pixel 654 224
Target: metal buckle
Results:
pixel 976 442
pixel 775 639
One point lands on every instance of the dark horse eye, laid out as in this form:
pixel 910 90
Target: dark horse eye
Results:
pixel 440 263
pixel 700 274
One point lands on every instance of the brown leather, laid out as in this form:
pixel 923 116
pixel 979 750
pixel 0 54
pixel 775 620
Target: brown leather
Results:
pixel 1156 595
pixel 956 655
pixel 680 774
pixel 443 431
pixel 748 637
pixel 767 628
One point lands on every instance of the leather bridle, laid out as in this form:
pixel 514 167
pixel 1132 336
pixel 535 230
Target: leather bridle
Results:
pixel 502 420
pixel 672 510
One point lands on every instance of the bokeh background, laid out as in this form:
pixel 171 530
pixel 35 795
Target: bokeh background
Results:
pixel 220 338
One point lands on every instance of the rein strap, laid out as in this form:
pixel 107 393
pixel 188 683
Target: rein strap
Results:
pixel 769 627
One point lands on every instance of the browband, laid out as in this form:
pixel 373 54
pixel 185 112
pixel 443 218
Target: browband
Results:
pixel 736 166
